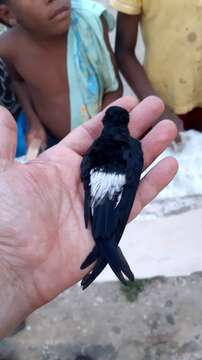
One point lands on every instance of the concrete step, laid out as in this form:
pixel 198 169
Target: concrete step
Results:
pixel 162 323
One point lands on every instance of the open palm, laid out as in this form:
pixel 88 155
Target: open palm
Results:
pixel 43 240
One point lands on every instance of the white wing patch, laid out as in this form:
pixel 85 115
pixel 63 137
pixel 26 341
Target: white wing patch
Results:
pixel 102 184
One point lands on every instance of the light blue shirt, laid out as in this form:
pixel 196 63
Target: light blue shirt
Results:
pixel 90 70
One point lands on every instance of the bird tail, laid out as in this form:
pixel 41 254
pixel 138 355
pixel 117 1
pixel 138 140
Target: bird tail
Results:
pixel 107 252
pixel 94 254
pixel 116 260
pixel 93 274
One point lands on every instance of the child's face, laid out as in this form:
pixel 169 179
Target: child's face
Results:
pixel 44 17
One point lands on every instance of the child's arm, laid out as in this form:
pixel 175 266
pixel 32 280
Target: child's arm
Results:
pixel 36 130
pixel 133 71
pixel 7 52
pixel 109 97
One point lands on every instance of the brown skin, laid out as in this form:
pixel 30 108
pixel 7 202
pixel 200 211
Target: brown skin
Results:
pixel 39 68
pixel 133 71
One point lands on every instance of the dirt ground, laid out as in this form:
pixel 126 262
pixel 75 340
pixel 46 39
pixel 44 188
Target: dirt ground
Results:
pixel 105 323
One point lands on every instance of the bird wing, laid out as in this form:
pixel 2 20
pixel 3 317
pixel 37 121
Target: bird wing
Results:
pixel 110 216
pixel 85 178
pixel 134 169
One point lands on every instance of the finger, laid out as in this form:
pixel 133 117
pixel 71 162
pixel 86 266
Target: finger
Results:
pixel 145 115
pixel 8 137
pixel 33 149
pixel 157 140
pixel 142 117
pixel 80 139
pixel 153 183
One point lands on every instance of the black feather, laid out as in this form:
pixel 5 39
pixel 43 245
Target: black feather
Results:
pixel 114 152
pixel 90 258
pixel 91 276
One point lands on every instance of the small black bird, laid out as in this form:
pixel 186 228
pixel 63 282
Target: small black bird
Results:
pixel 110 172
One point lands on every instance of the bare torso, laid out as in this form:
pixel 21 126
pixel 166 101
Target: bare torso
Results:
pixel 41 65
pixel 43 68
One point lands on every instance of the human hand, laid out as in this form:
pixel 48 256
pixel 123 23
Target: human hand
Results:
pixel 43 239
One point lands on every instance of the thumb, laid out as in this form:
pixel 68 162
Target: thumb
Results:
pixel 8 135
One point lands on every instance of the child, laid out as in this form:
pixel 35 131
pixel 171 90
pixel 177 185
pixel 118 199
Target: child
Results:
pixel 60 59
pixel 172 33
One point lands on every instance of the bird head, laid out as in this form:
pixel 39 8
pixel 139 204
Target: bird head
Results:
pixel 116 116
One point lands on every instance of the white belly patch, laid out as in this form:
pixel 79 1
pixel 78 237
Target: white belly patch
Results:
pixel 104 184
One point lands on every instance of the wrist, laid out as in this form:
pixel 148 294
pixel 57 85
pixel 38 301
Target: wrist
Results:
pixel 15 305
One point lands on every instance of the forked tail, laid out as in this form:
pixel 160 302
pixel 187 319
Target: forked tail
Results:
pixel 107 253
